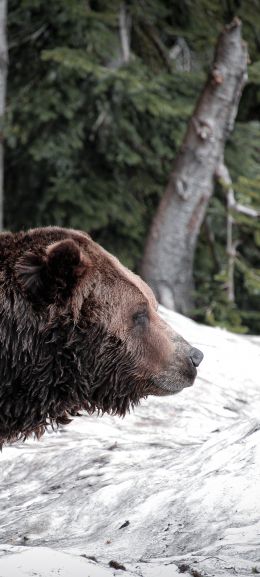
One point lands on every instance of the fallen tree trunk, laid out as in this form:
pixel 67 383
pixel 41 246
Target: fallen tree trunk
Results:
pixel 169 253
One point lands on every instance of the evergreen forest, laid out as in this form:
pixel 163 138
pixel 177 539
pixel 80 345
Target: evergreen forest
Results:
pixel 98 98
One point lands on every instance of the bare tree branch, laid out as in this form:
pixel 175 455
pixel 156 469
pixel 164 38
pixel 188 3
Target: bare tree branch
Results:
pixel 3 73
pixel 181 54
pixel 230 247
pixel 211 242
pixel 124 31
pixel 223 176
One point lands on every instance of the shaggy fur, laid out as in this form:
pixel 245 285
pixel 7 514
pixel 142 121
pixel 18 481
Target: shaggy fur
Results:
pixel 77 331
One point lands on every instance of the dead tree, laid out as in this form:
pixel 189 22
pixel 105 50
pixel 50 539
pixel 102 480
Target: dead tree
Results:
pixel 3 72
pixel 169 253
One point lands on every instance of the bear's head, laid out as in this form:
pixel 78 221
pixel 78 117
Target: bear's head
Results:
pixel 88 333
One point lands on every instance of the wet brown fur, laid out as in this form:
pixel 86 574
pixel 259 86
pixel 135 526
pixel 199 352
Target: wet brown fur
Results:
pixel 77 331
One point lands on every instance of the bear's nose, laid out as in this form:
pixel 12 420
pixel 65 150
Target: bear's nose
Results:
pixel 196 356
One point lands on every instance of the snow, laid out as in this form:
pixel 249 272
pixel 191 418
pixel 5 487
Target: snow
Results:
pixel 174 484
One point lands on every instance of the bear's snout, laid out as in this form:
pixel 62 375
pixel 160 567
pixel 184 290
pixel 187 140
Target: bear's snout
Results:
pixel 196 356
pixel 181 370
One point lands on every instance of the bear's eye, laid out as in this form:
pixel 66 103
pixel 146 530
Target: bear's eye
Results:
pixel 141 318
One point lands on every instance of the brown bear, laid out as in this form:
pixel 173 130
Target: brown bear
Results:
pixel 78 331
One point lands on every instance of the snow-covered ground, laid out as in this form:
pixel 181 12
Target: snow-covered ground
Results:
pixel 172 488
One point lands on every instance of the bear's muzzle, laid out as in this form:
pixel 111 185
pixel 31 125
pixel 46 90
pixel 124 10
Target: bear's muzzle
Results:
pixel 180 374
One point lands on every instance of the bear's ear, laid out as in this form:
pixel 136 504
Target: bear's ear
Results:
pixel 54 273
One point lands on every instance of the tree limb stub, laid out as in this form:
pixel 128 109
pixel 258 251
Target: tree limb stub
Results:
pixel 169 253
pixel 223 176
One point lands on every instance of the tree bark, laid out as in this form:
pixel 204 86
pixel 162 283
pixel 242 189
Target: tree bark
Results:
pixel 169 253
pixel 3 73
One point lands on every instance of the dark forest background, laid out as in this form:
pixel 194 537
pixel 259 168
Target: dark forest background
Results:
pixel 91 132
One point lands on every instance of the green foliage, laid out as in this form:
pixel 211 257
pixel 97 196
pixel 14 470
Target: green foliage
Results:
pixel 90 140
pixel 211 268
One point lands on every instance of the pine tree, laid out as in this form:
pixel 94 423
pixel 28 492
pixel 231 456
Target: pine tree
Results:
pixel 92 129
